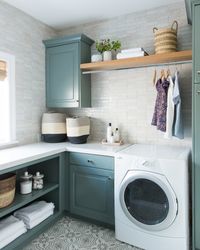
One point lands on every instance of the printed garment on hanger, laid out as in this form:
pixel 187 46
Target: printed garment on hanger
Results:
pixel 159 116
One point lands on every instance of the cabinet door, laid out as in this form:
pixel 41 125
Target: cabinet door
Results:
pixel 196 41
pixel 196 164
pixel 92 193
pixel 62 76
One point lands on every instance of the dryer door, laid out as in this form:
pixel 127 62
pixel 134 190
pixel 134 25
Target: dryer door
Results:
pixel 148 200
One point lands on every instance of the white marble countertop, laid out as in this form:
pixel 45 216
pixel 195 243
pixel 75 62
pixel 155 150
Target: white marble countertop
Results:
pixel 22 154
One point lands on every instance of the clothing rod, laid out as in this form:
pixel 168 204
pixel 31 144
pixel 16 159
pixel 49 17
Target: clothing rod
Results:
pixel 143 66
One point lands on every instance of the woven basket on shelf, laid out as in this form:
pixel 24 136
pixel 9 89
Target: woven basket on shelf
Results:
pixel 7 189
pixel 166 39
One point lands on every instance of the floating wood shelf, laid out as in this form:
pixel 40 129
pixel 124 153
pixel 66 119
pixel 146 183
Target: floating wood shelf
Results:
pixel 178 57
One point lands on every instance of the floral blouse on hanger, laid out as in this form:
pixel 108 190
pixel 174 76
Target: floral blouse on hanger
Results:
pixel 160 110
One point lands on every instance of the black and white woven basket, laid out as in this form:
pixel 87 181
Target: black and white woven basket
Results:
pixel 78 129
pixel 54 127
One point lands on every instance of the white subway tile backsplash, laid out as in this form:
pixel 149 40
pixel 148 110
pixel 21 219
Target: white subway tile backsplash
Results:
pixel 127 97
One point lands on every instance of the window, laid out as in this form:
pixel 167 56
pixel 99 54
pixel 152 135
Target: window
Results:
pixel 7 99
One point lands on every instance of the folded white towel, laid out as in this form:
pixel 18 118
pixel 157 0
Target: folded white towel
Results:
pixel 129 55
pixel 34 210
pixel 12 237
pixel 34 222
pixel 39 220
pixel 9 226
pixel 132 50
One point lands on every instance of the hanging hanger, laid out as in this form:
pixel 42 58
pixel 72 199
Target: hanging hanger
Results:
pixel 154 77
pixel 168 73
pixel 162 74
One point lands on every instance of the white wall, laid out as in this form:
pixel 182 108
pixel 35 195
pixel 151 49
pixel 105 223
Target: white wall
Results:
pixel 126 97
pixel 21 36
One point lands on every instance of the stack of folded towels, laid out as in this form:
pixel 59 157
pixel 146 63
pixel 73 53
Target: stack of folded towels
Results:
pixel 10 229
pixel 35 213
pixel 134 52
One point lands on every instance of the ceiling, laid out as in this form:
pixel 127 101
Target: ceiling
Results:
pixel 61 14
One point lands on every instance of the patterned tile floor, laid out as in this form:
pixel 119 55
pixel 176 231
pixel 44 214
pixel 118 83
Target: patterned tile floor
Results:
pixel 73 234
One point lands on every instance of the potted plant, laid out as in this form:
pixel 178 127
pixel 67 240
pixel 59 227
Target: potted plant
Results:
pixel 116 45
pixel 105 47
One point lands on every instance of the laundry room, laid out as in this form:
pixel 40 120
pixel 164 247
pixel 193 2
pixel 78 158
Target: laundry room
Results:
pixel 99 135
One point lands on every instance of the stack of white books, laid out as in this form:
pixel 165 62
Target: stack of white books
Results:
pixel 133 52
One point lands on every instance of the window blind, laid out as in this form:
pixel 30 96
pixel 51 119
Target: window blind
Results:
pixel 3 70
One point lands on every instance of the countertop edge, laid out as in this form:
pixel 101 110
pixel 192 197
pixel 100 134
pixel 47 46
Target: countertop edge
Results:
pixel 42 150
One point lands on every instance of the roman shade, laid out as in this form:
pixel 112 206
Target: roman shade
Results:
pixel 3 71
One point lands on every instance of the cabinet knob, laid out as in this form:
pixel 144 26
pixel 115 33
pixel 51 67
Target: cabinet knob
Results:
pixel 90 161
pixel 109 178
pixel 198 92
pixel 77 100
pixel 198 72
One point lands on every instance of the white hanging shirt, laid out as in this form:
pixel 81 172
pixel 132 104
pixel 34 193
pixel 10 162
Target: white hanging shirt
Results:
pixel 170 110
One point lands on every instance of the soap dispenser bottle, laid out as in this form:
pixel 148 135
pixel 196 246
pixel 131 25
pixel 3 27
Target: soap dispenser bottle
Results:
pixel 109 133
pixel 117 135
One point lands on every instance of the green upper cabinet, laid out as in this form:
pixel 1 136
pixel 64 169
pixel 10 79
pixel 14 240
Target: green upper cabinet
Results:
pixel 196 41
pixel 66 86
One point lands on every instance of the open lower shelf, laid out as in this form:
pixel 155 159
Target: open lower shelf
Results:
pixel 30 234
pixel 136 62
pixel 23 199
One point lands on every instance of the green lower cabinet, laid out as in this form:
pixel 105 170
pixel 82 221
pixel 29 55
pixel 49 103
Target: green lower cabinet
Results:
pixel 54 170
pixel 196 164
pixel 92 193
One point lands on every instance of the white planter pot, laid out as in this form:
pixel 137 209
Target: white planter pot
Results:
pixel 96 58
pixel 107 55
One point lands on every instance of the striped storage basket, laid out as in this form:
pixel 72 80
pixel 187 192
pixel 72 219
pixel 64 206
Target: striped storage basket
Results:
pixel 78 129
pixel 166 39
pixel 54 127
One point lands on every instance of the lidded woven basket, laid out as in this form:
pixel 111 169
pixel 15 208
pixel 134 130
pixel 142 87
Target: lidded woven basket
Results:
pixel 166 39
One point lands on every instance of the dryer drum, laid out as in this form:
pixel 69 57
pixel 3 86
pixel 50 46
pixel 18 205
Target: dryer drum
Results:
pixel 148 201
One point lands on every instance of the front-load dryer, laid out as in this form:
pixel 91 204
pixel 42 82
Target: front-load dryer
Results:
pixel 152 197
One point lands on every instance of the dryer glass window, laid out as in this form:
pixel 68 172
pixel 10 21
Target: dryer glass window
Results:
pixel 146 201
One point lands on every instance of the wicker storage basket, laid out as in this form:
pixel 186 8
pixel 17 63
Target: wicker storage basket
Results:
pixel 7 189
pixel 166 39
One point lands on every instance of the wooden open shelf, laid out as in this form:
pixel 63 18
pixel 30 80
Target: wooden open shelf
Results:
pixel 136 62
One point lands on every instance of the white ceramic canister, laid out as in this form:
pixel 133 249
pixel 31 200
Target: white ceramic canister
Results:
pixel 26 183
pixel 107 55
